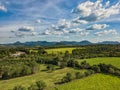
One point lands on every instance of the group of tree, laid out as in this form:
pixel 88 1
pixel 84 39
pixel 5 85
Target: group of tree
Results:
pixel 77 75
pixel 91 69
pixel 17 69
pixel 97 51
pixel 39 85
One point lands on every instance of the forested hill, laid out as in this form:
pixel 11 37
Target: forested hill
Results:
pixel 45 43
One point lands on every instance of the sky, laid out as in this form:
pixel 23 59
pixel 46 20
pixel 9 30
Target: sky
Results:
pixel 59 20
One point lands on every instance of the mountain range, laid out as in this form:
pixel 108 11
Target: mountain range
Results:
pixel 45 43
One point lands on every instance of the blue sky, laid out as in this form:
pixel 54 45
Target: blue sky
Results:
pixel 59 20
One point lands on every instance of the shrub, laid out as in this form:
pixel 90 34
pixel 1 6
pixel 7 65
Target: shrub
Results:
pixel 32 87
pixel 19 87
pixel 67 78
pixel 40 85
pixel 79 75
pixel 96 68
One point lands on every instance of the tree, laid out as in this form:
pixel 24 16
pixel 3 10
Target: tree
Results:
pixel 40 85
pixel 41 50
pixel 34 66
pixel 26 70
pixel 67 78
pixel 84 65
pixel 50 67
pixel 111 70
pixel 89 72
pixel 62 64
pixel 96 68
pixel 56 60
pixel 78 75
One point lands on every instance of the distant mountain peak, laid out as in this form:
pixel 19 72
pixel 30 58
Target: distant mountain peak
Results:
pixel 45 43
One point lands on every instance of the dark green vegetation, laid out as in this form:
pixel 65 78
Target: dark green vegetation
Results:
pixel 39 68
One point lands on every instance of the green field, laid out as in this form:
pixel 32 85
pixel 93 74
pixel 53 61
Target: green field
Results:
pixel 49 77
pixel 94 82
pixel 108 60
pixel 58 50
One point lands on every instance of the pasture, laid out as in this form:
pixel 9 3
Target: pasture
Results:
pixel 48 77
pixel 107 60
pixel 60 50
pixel 94 82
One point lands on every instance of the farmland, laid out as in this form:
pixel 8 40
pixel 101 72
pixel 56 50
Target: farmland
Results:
pixel 49 77
pixel 94 82
pixel 58 50
pixel 110 82
pixel 62 68
pixel 108 60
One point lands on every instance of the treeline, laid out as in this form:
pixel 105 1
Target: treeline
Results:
pixel 100 68
pixel 12 69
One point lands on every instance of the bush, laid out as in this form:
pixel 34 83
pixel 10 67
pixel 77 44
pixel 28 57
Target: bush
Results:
pixel 89 72
pixel 40 85
pixel 67 78
pixel 19 88
pixel 84 65
pixel 50 67
pixel 79 75
pixel 33 87
pixel 111 70
pixel 96 68
pixel 117 72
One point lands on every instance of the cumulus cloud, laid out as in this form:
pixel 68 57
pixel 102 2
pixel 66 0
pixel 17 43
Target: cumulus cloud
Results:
pixel 53 32
pixel 38 21
pixel 97 27
pixel 26 29
pixel 105 32
pixel 84 33
pixel 47 32
pixel 76 30
pixel 3 8
pixel 79 31
pixel 62 24
pixel 78 21
pixel 94 11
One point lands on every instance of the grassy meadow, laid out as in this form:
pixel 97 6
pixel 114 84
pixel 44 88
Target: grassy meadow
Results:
pixel 58 50
pixel 94 82
pixel 107 60
pixel 49 77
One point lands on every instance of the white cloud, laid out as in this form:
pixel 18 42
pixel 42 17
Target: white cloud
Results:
pixel 94 11
pixel 62 24
pixel 26 29
pixel 38 21
pixel 76 30
pixel 76 20
pixel 47 32
pixel 84 33
pixel 57 32
pixel 53 32
pixel 3 8
pixel 105 32
pixel 97 27
pixel 79 31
